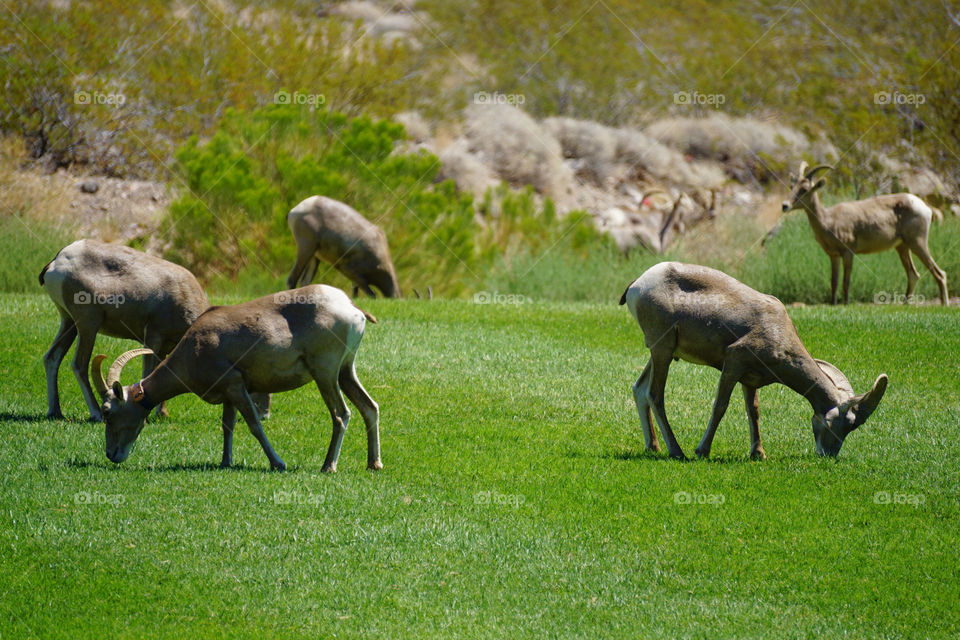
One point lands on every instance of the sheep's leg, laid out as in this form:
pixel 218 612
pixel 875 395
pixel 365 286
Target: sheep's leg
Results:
pixel 751 398
pixel 912 274
pixel 640 389
pixel 330 391
pixel 52 360
pixel 87 336
pixel 834 278
pixel 262 402
pixel 920 248
pixel 310 272
pixel 847 270
pixel 150 362
pixel 228 421
pixel 728 380
pixel 368 409
pixel 660 368
pixel 305 256
pixel 356 290
pixel 244 403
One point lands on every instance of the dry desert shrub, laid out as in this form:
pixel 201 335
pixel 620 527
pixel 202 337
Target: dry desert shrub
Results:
pixel 466 170
pixel 520 151
pixel 594 144
pixel 637 149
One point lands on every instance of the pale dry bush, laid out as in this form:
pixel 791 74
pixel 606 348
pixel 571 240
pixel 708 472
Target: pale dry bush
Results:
pixel 27 192
pixel 466 170
pixel 417 128
pixel 589 142
pixel 743 144
pixel 637 149
pixel 521 152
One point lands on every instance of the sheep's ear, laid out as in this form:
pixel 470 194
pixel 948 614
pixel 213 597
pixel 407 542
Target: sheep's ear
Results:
pixel 870 400
pixel 118 390
pixel 819 184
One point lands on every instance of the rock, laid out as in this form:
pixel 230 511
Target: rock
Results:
pixel 89 186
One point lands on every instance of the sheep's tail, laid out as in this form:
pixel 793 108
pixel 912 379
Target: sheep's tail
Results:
pixel 623 298
pixel 43 272
pixel 368 316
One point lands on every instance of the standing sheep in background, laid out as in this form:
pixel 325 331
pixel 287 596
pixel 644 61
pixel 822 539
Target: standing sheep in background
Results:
pixel 119 292
pixel 337 233
pixel 899 220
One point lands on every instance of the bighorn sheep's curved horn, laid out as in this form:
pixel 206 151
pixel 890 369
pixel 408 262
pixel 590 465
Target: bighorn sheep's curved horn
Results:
pixel 813 172
pixel 803 169
pixel 113 375
pixel 96 371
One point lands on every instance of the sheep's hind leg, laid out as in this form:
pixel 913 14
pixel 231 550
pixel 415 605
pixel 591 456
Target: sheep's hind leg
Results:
pixel 660 368
pixel 368 409
pixel 330 391
pixel 640 389
pixel 228 421
pixel 52 360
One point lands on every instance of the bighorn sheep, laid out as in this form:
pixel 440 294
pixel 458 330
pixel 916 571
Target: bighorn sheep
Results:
pixel 706 317
pixel 899 220
pixel 271 344
pixel 120 292
pixel 331 230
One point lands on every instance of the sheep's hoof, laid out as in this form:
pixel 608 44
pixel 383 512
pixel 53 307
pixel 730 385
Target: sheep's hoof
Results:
pixel 329 468
pixel 95 418
pixel 678 455
pixel 55 415
pixel 226 464
pixel 376 465
pixel 758 454
pixel 703 454
pixel 279 465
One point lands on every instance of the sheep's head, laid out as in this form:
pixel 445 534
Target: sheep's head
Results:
pixel 804 185
pixel 124 415
pixel 832 427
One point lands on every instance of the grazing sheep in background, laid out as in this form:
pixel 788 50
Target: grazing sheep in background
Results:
pixel 899 220
pixel 337 233
pixel 275 343
pixel 704 316
pixel 119 292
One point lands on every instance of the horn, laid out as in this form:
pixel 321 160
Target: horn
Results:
pixel 113 375
pixel 813 172
pixel 803 169
pixel 96 371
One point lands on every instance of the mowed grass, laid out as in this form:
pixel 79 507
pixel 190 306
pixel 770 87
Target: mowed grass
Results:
pixel 516 499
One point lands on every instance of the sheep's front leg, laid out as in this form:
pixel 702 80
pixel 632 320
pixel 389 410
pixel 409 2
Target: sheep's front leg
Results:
pixel 728 380
pixel 244 403
pixel 330 391
pixel 752 399
pixel 228 421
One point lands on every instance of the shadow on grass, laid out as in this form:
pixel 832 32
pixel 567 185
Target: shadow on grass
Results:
pixel 642 454
pixel 192 466
pixel 10 416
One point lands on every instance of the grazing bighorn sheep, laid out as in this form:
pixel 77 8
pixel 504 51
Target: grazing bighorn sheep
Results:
pixel 706 317
pixel 271 344
pixel 331 230
pixel 119 292
pixel 899 220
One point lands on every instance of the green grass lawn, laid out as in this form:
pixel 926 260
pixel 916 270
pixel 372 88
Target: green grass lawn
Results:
pixel 516 499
